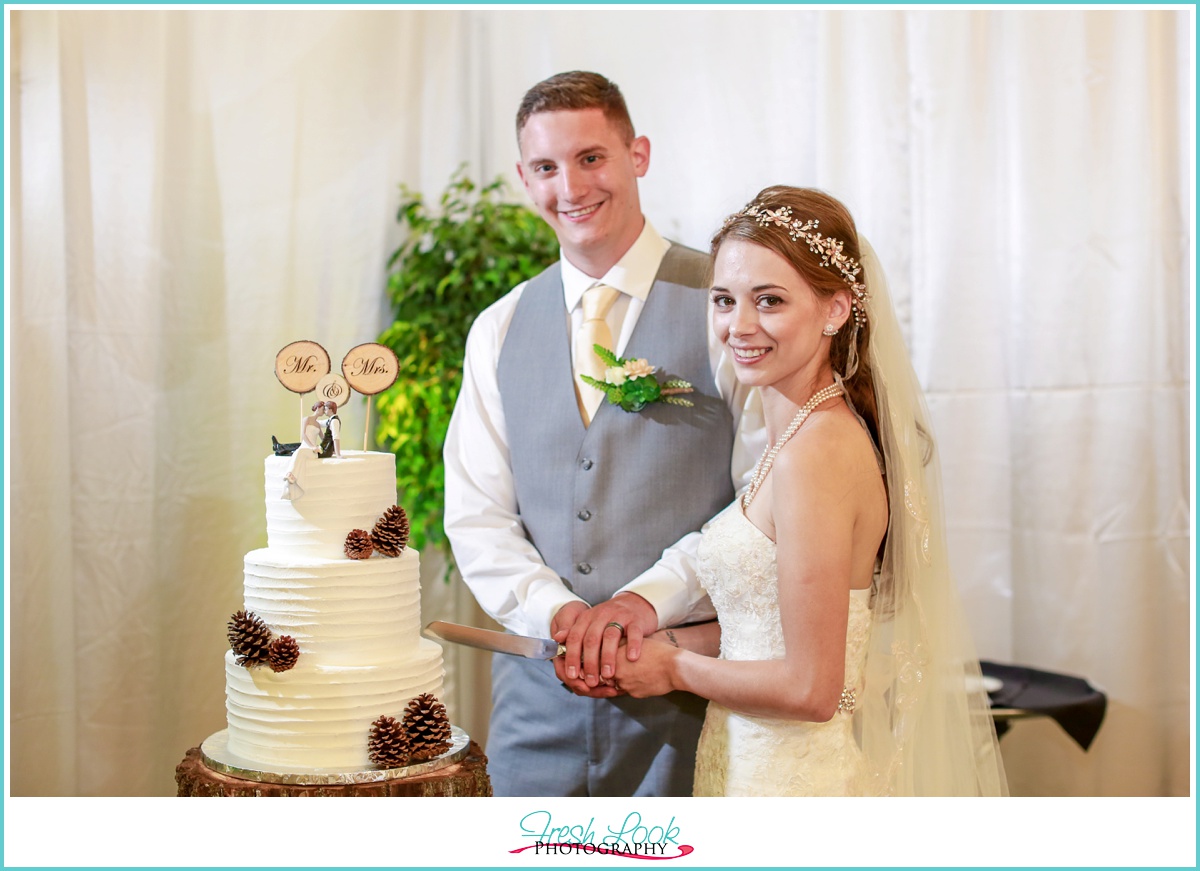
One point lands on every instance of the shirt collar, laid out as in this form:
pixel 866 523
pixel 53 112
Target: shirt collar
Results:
pixel 633 274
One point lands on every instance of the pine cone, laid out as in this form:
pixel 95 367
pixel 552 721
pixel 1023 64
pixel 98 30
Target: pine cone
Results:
pixel 388 744
pixel 390 535
pixel 358 544
pixel 249 637
pixel 283 653
pixel 428 727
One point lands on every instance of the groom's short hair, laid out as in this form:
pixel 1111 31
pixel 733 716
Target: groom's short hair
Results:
pixel 573 91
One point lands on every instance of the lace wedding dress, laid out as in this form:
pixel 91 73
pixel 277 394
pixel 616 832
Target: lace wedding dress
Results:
pixel 743 755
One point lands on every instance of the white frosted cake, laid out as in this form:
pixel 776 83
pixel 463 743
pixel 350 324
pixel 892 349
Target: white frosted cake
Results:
pixel 356 622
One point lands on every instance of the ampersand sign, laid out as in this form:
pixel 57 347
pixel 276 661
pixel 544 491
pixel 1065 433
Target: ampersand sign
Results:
pixel 333 388
pixel 371 368
pixel 301 365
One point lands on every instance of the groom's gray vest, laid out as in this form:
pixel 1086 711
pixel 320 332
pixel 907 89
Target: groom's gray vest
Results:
pixel 601 504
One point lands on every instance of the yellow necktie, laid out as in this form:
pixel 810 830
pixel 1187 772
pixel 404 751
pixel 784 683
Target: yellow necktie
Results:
pixel 594 330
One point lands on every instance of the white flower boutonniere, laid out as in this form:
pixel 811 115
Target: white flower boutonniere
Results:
pixel 631 383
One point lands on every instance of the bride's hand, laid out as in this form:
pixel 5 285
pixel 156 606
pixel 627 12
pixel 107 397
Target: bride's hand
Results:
pixel 651 673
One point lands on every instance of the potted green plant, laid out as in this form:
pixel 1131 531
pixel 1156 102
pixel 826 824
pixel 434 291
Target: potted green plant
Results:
pixel 455 260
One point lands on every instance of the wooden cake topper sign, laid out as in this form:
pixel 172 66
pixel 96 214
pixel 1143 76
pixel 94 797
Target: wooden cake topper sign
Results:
pixel 301 365
pixel 333 388
pixel 370 368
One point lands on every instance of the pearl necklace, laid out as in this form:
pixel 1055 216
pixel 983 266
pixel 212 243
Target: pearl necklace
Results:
pixel 767 460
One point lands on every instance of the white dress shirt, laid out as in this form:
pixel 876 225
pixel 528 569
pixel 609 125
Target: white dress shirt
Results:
pixel 503 569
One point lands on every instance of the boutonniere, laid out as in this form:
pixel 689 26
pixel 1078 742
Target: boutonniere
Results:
pixel 631 383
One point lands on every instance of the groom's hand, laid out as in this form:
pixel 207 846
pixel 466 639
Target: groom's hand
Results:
pixel 593 643
pixel 559 628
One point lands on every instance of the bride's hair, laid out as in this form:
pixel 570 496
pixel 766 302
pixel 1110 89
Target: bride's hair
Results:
pixel 834 222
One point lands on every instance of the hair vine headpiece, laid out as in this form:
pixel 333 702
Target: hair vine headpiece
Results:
pixel 828 248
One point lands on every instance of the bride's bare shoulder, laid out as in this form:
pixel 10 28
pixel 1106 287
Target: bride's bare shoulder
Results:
pixel 830 443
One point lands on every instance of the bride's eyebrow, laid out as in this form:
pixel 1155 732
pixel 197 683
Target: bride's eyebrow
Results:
pixel 718 289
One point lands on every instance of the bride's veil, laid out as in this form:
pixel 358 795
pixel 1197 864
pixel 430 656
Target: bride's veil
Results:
pixel 923 718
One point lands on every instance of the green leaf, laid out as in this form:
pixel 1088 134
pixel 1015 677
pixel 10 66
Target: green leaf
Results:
pixel 645 390
pixel 610 359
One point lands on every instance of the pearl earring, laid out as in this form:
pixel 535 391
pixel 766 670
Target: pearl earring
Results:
pixel 830 330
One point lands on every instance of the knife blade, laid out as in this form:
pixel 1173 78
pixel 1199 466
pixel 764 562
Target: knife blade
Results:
pixel 499 642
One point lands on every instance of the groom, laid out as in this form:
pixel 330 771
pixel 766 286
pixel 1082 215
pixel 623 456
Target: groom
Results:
pixel 331 439
pixel 559 508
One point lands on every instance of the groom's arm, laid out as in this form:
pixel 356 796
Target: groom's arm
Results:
pixel 501 567
pixel 702 638
pixel 666 594
pixel 594 635
pixel 669 590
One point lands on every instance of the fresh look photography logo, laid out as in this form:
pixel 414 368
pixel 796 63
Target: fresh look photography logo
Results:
pixel 633 837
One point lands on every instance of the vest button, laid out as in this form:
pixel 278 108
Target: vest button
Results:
pixel 584 515
pixel 584 569
pixel 587 464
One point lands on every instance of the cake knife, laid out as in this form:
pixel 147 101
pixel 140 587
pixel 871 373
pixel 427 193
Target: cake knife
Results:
pixel 500 642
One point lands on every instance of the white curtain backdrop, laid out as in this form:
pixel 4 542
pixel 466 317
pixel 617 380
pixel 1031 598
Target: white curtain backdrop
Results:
pixel 190 190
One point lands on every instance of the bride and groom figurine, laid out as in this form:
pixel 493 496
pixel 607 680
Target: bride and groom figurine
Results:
pixel 319 439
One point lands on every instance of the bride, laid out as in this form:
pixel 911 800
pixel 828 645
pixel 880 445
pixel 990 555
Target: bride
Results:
pixel 840 665
pixel 310 445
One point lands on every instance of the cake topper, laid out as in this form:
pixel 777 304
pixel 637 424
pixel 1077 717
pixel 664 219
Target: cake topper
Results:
pixel 333 388
pixel 304 366
pixel 370 368
pixel 300 365
pixel 283 449
pixel 311 434
pixel 331 440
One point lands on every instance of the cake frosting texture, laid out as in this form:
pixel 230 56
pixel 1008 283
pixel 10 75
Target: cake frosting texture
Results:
pixel 339 495
pixel 357 623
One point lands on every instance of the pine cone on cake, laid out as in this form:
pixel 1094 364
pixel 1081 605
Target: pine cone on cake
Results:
pixel 428 727
pixel 283 653
pixel 358 544
pixel 249 638
pixel 390 535
pixel 388 745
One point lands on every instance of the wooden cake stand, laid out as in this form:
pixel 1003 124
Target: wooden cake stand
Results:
pixel 210 770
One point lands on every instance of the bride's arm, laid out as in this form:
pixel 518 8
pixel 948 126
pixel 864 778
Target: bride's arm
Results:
pixel 702 638
pixel 650 676
pixel 817 498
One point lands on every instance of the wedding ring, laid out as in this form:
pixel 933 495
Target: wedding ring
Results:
pixel 620 628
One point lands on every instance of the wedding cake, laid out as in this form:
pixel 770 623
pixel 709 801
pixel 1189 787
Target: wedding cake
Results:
pixel 328 647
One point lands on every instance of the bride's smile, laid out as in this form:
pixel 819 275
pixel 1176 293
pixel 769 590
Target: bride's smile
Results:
pixel 770 319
